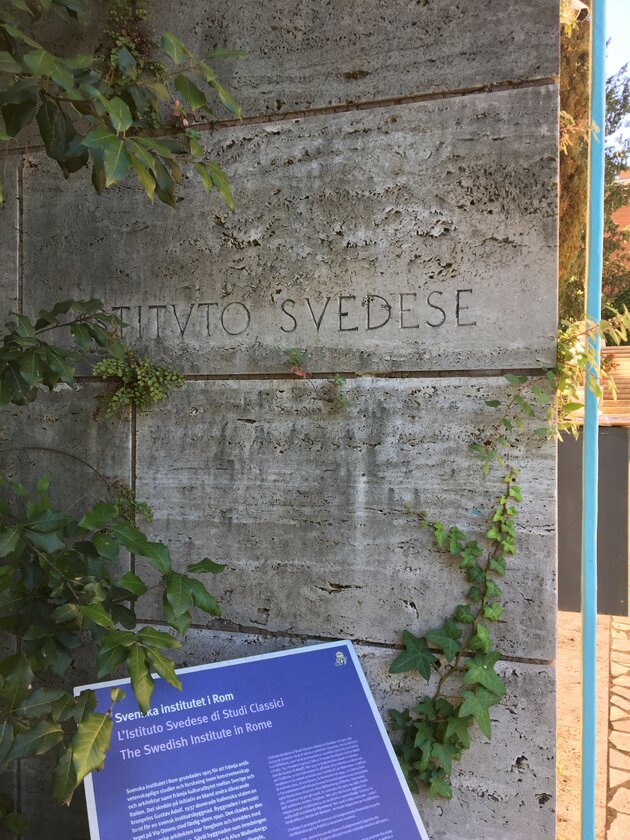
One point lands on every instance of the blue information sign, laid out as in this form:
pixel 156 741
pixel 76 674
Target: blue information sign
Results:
pixel 284 746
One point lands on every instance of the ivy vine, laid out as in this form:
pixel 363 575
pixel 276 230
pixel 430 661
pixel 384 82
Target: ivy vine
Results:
pixel 460 653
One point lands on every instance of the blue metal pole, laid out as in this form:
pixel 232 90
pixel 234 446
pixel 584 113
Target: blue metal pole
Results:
pixel 595 240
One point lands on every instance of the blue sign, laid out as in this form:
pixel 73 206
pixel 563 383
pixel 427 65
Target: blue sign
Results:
pixel 284 746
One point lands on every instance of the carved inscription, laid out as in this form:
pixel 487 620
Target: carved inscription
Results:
pixel 422 310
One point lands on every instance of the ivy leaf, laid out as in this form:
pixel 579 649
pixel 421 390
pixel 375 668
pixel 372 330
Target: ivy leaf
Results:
pixel 415 656
pixel 493 612
pixel 141 679
pixel 463 614
pixel 497 565
pixel 457 728
pixel 439 787
pixel 476 704
pixel 481 640
pixel 447 639
pixel 444 755
pixel 480 671
pixel 90 743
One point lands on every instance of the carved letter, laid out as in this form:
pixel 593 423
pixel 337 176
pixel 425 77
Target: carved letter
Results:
pixel 247 315
pixel 120 309
pixel 207 305
pixel 371 326
pixel 318 321
pixel 294 327
pixel 344 313
pixel 459 308
pixel 433 306
pixel 404 311
pixel 182 330
pixel 157 317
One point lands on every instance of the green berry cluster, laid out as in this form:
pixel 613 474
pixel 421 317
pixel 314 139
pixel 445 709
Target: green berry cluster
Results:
pixel 141 382
pixel 128 506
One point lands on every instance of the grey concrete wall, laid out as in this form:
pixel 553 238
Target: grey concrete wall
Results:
pixel 395 178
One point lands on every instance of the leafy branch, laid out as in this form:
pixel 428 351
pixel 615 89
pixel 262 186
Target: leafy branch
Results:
pixel 114 112
pixel 58 581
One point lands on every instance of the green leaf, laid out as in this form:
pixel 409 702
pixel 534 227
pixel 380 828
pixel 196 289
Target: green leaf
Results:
pixel 444 755
pixel 145 178
pixel 493 403
pixel 480 671
pixel 190 92
pixel 132 583
pixel 481 640
pixel 457 727
pixel 39 702
pixel 98 614
pixel 65 613
pixel 90 743
pixel 497 565
pixel 178 593
pixel 64 781
pixel 120 115
pixel 158 639
pixel 513 379
pixel 415 656
pixel 226 98
pixel 101 515
pixel 463 614
pixel 476 704
pixel 206 565
pixel 141 680
pixel 9 539
pixel 18 115
pixel 130 537
pixel 49 543
pixel 8 64
pixel 37 740
pixel 126 62
pixel 439 787
pixel 158 555
pixel 174 48
pixel 106 546
pixel 164 667
pixel 203 599
pixel 116 161
pixel 447 639
pixel 18 676
pixel 493 612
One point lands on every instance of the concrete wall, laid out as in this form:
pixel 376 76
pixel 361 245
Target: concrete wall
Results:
pixel 395 179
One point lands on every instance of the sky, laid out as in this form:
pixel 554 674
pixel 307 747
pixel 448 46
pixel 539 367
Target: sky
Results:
pixel 618 33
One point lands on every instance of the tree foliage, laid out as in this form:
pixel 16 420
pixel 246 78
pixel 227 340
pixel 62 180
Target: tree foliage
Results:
pixel 574 135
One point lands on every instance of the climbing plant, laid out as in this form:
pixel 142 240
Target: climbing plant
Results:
pixel 460 656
